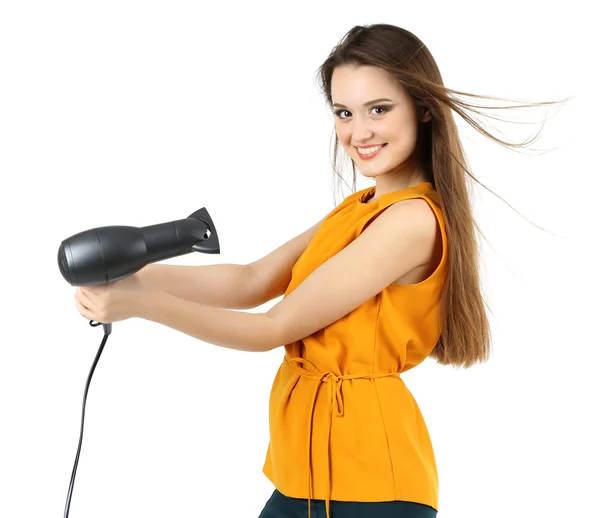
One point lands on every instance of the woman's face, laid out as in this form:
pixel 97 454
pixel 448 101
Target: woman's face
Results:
pixel 392 123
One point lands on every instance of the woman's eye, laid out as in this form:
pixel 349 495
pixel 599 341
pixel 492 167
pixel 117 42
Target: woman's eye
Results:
pixel 337 113
pixel 380 108
pixel 383 108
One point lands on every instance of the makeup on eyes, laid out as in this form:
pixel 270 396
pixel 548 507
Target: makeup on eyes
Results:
pixel 386 109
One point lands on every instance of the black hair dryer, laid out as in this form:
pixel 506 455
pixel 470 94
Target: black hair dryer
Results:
pixel 107 254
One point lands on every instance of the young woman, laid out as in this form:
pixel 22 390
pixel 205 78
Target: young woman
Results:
pixel 386 279
pixel 345 429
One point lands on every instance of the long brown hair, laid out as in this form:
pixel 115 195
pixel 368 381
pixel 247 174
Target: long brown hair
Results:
pixel 466 335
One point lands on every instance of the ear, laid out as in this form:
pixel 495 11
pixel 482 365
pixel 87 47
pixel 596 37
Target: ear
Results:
pixel 426 117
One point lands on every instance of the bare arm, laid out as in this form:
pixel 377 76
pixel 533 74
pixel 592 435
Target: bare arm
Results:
pixel 192 296
pixel 228 286
pixel 399 239
pixel 231 286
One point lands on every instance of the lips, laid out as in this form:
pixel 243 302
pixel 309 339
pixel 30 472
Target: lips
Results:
pixel 371 155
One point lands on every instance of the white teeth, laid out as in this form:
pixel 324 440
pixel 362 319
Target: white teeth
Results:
pixel 369 150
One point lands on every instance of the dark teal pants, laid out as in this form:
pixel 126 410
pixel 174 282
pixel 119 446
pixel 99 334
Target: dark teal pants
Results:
pixel 281 506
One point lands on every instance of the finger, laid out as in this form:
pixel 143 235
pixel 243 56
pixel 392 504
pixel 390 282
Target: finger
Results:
pixel 85 300
pixel 84 311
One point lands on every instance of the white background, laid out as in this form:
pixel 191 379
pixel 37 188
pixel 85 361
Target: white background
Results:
pixel 136 113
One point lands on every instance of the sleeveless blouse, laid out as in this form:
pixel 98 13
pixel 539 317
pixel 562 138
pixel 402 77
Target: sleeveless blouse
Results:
pixel 343 424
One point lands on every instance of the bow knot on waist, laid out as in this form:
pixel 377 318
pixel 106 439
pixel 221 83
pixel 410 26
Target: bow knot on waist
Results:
pixel 336 397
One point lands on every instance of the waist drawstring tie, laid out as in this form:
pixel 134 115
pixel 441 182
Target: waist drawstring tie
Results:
pixel 336 400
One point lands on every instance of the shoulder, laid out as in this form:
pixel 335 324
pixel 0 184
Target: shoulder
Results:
pixel 419 205
pixel 412 217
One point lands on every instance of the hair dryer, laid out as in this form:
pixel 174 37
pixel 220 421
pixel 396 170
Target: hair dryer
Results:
pixel 106 254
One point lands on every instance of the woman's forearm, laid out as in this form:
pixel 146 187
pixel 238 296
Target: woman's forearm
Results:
pixel 252 332
pixel 230 286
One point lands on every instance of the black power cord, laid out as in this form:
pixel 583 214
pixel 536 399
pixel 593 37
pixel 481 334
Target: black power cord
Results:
pixel 107 331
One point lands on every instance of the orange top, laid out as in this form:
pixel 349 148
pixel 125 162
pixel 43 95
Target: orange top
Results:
pixel 363 435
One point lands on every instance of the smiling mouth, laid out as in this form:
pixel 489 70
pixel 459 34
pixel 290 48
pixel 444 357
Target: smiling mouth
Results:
pixel 373 151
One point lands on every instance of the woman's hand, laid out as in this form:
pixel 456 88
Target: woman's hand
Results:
pixel 113 302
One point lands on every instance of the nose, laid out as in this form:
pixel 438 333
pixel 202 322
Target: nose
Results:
pixel 361 131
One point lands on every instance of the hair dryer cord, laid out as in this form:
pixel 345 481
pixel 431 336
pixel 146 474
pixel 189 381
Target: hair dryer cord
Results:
pixel 107 331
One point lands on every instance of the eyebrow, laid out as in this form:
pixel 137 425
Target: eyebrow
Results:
pixel 375 101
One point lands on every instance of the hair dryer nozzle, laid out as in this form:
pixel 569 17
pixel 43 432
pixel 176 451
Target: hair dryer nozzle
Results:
pixel 211 245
